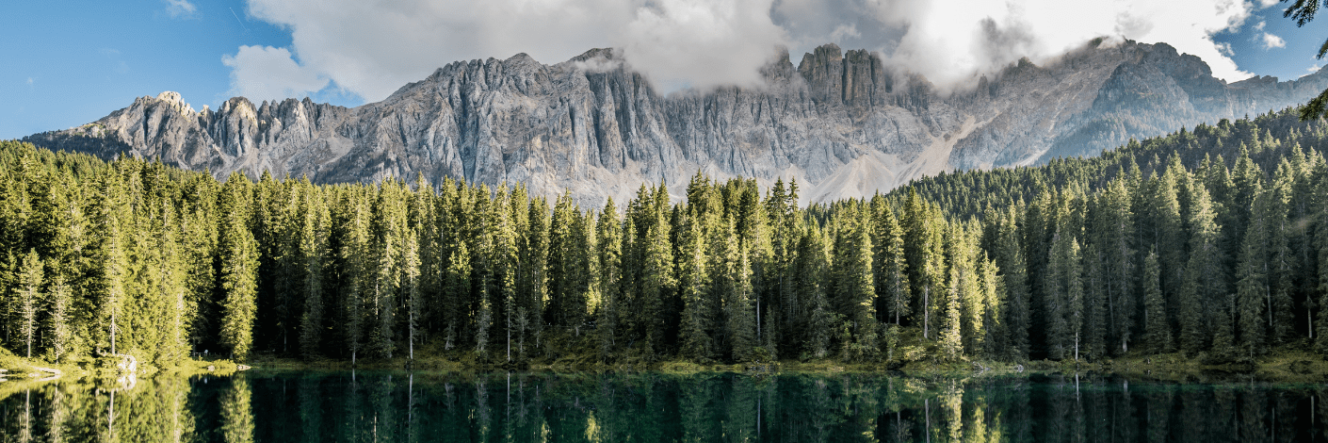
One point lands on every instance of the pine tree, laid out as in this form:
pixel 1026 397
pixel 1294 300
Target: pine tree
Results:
pixel 889 265
pixel 610 261
pixel 314 249
pixel 411 289
pixel 1095 303
pixel 853 293
pixel 111 255
pixel 29 295
pixel 1115 229
pixel 58 332
pixel 962 286
pixel 1156 330
pixel 995 337
pixel 1064 296
pixel 458 293
pixel 811 268
pixel 355 258
pixel 239 271
pixel 1281 270
pixel 694 283
pixel 1252 291
pixel 738 307
pixel 922 243
pixel 657 280
pixel 1010 258
pixel 1205 311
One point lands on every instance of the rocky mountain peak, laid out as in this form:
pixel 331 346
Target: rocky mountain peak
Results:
pixel 841 123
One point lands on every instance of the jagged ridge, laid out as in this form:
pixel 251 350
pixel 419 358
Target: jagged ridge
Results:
pixel 842 124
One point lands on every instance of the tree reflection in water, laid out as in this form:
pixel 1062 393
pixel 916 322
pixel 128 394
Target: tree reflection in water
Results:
pixel 703 407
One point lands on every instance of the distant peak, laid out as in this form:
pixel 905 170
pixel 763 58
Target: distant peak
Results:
pixel 175 100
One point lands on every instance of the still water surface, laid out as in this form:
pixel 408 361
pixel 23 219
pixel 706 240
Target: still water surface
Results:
pixel 651 407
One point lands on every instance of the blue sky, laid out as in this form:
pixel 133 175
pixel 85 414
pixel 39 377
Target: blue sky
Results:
pixel 71 62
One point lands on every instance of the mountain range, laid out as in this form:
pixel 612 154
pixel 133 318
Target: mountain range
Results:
pixel 843 124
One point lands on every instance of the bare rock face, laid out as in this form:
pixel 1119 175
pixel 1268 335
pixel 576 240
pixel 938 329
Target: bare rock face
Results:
pixel 842 124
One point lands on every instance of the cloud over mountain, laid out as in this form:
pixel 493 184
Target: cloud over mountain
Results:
pixel 371 47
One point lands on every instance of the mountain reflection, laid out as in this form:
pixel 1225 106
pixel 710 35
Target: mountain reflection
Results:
pixel 708 407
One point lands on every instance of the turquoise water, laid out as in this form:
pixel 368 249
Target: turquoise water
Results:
pixel 651 407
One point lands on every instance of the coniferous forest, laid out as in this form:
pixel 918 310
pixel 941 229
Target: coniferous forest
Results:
pixel 1212 242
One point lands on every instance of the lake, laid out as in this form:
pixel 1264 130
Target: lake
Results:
pixel 263 406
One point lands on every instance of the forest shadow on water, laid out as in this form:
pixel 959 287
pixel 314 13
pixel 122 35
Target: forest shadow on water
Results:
pixel 526 407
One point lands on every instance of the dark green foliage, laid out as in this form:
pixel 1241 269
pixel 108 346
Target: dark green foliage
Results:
pixel 1163 240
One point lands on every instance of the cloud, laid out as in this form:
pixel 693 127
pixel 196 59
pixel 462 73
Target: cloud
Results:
pixel 268 73
pixel 373 47
pixel 1271 41
pixel 701 43
pixel 952 42
pixel 180 8
pixel 1225 49
pixel 1310 70
pixel 1259 26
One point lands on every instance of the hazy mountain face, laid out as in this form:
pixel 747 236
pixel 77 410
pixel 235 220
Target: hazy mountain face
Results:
pixel 842 124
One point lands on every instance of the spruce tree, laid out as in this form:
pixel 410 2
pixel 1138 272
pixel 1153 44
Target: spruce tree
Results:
pixel 962 286
pixel 29 295
pixel 314 249
pixel 1010 259
pixel 890 267
pixel 239 271
pixel 609 233
pixel 1156 331
pixel 1252 292
pixel 694 283
pixel 58 331
pixel 657 280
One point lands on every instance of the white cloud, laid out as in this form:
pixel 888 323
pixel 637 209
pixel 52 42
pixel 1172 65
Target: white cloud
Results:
pixel 951 42
pixel 701 43
pixel 1312 69
pixel 1225 49
pixel 843 31
pixel 180 8
pixel 1260 25
pixel 373 47
pixel 267 73
pixel 1271 41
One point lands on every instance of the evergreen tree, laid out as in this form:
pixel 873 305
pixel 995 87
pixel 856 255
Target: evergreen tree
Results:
pixel 1252 292
pixel 1115 229
pixel 314 248
pixel 694 283
pixel 1010 258
pixel 458 293
pixel 29 297
pixel 811 266
pixel 239 268
pixel 853 292
pixel 1064 296
pixel 609 234
pixel 1156 330
pixel 889 266
pixel 963 287
pixel 738 309
pixel 1206 307
pixel 411 289
pixel 58 332
pixel 355 270
pixel 657 279
pixel 922 251
pixel 994 335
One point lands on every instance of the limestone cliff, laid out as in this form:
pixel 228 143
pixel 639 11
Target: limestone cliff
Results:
pixel 842 124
